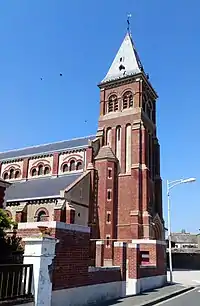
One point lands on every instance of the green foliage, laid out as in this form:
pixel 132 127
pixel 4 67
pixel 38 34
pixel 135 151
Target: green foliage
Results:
pixel 5 223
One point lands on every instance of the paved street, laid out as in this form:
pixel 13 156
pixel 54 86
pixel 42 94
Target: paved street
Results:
pixel 190 298
pixel 150 296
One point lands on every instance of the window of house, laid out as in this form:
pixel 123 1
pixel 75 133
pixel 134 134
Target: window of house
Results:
pixel 72 165
pixel 17 174
pixel 144 257
pixel 109 194
pixel 41 216
pixel 46 170
pixel 40 170
pixel 109 173
pixel 12 174
pixel 115 104
pixel 108 219
pixel 65 168
pixel 127 100
pixel 79 166
pixel 34 172
pixel 5 176
pixel 110 105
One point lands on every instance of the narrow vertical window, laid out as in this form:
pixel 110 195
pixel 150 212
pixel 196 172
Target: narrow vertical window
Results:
pixel 109 137
pixel 109 173
pixel 109 194
pixel 118 144
pixel 107 241
pixel 108 219
pixel 128 149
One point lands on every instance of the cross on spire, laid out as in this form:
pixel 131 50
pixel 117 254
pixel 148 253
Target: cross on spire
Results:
pixel 128 23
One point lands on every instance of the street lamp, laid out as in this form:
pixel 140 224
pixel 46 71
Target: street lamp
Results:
pixel 170 185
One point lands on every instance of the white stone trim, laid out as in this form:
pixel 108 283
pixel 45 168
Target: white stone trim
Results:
pixel 119 244
pixel 54 224
pixel 99 242
pixel 133 246
pixel 148 241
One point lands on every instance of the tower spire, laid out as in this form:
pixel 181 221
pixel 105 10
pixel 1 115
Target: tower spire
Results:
pixel 129 24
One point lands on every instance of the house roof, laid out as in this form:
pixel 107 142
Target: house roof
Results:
pixel 126 62
pixel 47 148
pixel 39 188
pixel 184 238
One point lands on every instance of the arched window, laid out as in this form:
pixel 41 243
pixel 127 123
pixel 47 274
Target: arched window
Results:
pixel 72 165
pixel 65 168
pixel 41 216
pixel 127 100
pixel 118 143
pixel 113 104
pixel 17 174
pixel 12 174
pixel 40 170
pixel 6 176
pixel 109 137
pixel 79 166
pixel 33 172
pixel 46 170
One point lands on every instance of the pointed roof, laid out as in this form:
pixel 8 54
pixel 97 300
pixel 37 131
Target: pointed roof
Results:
pixel 105 152
pixel 126 62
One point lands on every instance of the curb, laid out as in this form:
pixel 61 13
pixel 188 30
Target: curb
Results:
pixel 167 297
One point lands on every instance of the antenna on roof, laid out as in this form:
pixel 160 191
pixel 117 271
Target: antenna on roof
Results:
pixel 128 23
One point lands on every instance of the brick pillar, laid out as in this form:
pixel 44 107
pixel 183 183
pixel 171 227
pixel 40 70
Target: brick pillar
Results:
pixel 25 168
pixel 2 194
pixel 120 255
pixel 58 215
pixel 133 283
pixel 89 156
pixel 55 163
pixel 70 215
pixel 99 254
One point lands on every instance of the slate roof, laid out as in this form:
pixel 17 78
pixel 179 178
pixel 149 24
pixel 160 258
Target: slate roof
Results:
pixel 126 62
pixel 47 148
pixel 184 238
pixel 105 152
pixel 39 188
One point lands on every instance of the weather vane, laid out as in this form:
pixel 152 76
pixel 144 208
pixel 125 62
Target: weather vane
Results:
pixel 128 22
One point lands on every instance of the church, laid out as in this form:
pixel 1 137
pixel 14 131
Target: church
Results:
pixel 109 181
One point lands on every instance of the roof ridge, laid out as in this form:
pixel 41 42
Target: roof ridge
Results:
pixel 45 144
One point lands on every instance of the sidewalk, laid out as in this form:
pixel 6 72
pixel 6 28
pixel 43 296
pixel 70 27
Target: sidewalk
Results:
pixel 151 297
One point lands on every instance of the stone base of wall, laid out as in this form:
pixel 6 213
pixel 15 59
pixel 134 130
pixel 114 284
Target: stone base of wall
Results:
pixel 89 294
pixel 136 286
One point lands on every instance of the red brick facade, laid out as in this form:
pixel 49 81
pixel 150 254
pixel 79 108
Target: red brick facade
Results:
pixel 134 204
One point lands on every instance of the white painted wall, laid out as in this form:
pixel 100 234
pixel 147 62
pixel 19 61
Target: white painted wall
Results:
pixel 88 294
pixel 135 286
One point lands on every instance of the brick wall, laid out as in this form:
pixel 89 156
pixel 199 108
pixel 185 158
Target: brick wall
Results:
pixel 71 263
pixel 3 186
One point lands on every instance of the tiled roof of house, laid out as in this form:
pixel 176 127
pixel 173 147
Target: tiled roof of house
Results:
pixel 47 148
pixel 39 188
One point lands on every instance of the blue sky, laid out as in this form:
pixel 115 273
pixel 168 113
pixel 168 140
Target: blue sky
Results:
pixel 79 39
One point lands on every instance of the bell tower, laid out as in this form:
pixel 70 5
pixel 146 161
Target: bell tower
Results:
pixel 127 127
